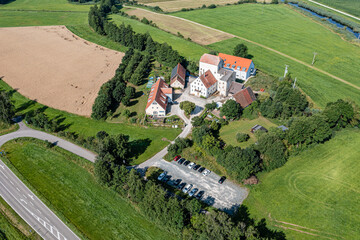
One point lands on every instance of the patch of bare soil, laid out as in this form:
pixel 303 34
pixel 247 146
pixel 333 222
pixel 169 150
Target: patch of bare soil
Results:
pixel 53 66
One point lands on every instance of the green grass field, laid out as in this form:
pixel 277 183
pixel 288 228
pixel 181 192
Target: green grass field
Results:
pixel 190 50
pixel 265 24
pixel 5 129
pixel 348 6
pixel 62 180
pixel 228 132
pixel 9 230
pixel 317 189
pixel 89 127
pixel 45 5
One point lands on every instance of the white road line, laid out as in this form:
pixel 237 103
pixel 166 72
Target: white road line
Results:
pixel 2 166
pixel 11 182
pixel 18 189
pixel 31 196
pixel 38 211
pixel 31 203
pixel 24 196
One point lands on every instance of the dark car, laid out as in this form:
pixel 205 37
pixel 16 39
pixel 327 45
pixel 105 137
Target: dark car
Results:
pixel 196 167
pixel 201 169
pixel 181 161
pixel 222 179
pixel 199 194
pixel 181 186
pixel 166 178
pixel 177 158
pixel 186 163
pixel 176 182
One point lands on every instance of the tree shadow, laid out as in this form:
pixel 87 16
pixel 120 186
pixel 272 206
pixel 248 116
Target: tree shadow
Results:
pixel 59 119
pixel 132 103
pixel 243 215
pixel 133 114
pixel 26 105
pixel 138 94
pixel 267 233
pixel 209 200
pixel 138 147
pixel 249 56
pixel 6 1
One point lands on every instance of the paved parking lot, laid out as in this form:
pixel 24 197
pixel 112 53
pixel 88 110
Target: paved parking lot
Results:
pixel 226 196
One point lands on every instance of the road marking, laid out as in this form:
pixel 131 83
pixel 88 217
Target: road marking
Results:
pixel 24 196
pixel 31 203
pixel 18 189
pixel 22 200
pixel 38 211
pixel 31 196
pixel 2 166
pixel 11 182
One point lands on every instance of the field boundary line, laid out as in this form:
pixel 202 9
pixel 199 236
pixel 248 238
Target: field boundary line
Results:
pixel 263 46
pixel 297 230
pixel 334 9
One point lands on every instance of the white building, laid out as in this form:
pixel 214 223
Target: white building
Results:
pixel 159 97
pixel 243 67
pixel 205 85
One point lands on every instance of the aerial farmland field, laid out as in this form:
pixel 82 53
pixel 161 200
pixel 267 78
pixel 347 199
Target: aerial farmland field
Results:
pixel 348 6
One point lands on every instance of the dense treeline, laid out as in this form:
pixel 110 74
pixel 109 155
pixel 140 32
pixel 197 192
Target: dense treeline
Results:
pixel 7 109
pixel 182 216
pixel 125 35
pixel 133 68
pixel 351 24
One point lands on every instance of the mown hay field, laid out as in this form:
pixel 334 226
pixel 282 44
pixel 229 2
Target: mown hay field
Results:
pixel 348 6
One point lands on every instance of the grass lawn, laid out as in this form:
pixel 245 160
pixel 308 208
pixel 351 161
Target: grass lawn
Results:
pixel 13 225
pixel 348 6
pixel 149 138
pixel 228 132
pixel 189 50
pixel 261 80
pixel 317 189
pixel 62 180
pixel 45 5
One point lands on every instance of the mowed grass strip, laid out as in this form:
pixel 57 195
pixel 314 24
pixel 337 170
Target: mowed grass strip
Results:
pixel 228 132
pixel 188 49
pixel 317 189
pixel 87 127
pixel 319 87
pixel 283 29
pixel 62 179
pixel 196 33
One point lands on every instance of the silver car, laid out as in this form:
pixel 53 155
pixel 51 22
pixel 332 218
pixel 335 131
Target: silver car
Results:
pixel 192 192
pixel 206 172
pixel 191 165
pixel 187 188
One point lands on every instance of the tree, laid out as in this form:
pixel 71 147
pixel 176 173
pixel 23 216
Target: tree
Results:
pixel 103 172
pixel 7 109
pixel 339 114
pixel 187 106
pixel 193 67
pixel 242 137
pixel 197 121
pixel 241 50
pixel 231 109
pixel 126 113
pixel 211 106
pixel 130 92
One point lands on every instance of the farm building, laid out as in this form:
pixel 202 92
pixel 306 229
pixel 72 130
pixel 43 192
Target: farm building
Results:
pixel 213 77
pixel 257 128
pixel 243 67
pixel 235 87
pixel 244 97
pixel 178 76
pixel 160 95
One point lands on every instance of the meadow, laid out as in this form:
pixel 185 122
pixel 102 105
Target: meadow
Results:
pixel 45 5
pixel 147 139
pixel 188 49
pixel 316 191
pixel 64 180
pixel 348 6
pixel 9 230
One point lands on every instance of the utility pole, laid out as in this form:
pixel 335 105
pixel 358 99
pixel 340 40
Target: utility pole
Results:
pixel 315 53
pixel 294 83
pixel 286 70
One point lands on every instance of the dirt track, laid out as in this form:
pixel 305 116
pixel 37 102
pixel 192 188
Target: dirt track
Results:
pixel 55 67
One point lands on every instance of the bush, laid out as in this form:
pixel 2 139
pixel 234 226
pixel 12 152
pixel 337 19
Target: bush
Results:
pixel 242 137
pixel 187 106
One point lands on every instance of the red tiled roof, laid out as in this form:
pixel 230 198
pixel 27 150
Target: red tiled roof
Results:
pixel 167 90
pixel 210 59
pixel 235 61
pixel 157 94
pixel 208 79
pixel 178 74
pixel 245 97
pixel 177 78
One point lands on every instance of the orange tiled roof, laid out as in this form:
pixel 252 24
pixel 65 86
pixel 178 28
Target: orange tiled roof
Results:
pixel 208 79
pixel 210 59
pixel 234 62
pixel 157 94
pixel 245 97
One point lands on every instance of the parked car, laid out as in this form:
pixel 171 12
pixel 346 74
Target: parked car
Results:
pixel 187 188
pixel 176 182
pixel 201 169
pixel 181 160
pixel 186 163
pixel 196 167
pixel 192 192
pixel 222 179
pixel 162 175
pixel 191 165
pixel 199 194
pixel 181 186
pixel 166 178
pixel 177 158
pixel 206 172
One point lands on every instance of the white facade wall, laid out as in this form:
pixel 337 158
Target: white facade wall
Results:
pixel 177 84
pixel 156 109
pixel 203 67
pixel 243 75
pixel 198 89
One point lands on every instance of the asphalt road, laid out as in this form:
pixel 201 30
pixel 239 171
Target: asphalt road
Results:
pixel 30 208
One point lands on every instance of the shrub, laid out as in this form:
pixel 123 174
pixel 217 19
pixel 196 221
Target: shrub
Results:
pixel 242 137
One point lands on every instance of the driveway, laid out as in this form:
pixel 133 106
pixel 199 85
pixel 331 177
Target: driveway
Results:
pixel 227 196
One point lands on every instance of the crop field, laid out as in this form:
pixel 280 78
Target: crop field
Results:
pixel 45 5
pixel 70 81
pixel 228 132
pixel 176 5
pixel 188 49
pixel 198 34
pixel 64 180
pixel 317 191
pixel 348 6
pixel 147 140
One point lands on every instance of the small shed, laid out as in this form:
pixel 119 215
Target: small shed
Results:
pixel 257 128
pixel 283 128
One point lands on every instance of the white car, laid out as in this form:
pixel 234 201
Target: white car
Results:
pixel 162 175
pixel 187 188
pixel 206 172
pixel 191 165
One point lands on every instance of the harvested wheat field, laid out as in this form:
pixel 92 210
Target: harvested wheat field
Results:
pixel 176 5
pixel 54 67
pixel 197 33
